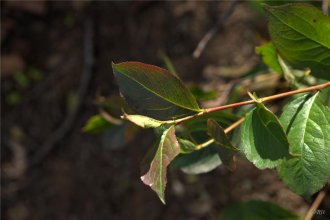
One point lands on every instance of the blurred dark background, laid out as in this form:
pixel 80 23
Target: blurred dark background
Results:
pixel 56 57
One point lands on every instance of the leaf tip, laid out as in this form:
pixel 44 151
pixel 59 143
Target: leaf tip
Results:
pixel 146 181
pixel 162 200
pixel 143 179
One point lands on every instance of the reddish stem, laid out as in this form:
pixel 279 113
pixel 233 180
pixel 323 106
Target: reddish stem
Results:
pixel 262 100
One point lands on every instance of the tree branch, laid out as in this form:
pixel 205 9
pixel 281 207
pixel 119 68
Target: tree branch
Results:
pixel 262 100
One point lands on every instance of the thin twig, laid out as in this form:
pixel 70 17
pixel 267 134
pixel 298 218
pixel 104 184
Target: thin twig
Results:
pixel 325 7
pixel 234 125
pixel 249 102
pixel 68 122
pixel 317 202
pixel 218 25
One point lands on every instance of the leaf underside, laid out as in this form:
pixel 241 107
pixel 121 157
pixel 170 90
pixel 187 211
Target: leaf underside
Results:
pixel 143 121
pixel 198 162
pixel 168 149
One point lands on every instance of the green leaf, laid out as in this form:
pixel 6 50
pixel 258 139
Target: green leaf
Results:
pixel 197 162
pixel 186 146
pixel 22 79
pixel 264 142
pixel 153 91
pixel 226 149
pixel 269 56
pixel 168 149
pixel 144 121
pixel 301 35
pixel 307 124
pixel 256 210
pixel 96 124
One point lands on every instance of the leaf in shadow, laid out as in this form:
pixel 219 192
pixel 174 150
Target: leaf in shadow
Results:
pixel 225 148
pixel 153 91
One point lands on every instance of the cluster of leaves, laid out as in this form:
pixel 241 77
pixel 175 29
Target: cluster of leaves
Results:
pixel 297 143
pixel 300 42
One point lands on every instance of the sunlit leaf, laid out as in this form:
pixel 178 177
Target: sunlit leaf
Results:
pixel 264 141
pixel 269 56
pixel 301 35
pixel 307 123
pixel 144 121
